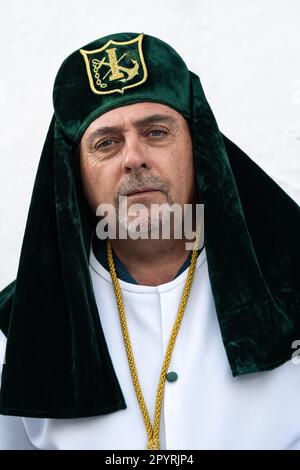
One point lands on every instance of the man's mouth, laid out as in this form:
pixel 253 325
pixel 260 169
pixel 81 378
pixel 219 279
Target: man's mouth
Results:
pixel 142 192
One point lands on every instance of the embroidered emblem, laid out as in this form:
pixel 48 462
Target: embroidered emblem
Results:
pixel 116 66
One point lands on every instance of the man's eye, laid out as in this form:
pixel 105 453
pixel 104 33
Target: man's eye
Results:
pixel 157 133
pixel 105 143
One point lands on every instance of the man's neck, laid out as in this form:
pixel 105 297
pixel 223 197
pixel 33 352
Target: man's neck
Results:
pixel 151 262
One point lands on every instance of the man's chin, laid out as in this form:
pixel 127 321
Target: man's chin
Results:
pixel 137 228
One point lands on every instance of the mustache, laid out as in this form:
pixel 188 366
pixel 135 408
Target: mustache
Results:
pixel 136 182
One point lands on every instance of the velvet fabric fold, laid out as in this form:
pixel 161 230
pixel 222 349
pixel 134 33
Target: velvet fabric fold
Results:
pixel 57 361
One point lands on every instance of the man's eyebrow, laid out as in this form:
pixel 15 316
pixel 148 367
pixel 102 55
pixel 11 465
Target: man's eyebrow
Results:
pixel 100 132
pixel 153 118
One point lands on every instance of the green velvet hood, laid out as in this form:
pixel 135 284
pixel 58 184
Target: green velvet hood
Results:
pixel 57 360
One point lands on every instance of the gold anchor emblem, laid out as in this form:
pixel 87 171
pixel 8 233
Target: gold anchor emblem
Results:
pixel 122 64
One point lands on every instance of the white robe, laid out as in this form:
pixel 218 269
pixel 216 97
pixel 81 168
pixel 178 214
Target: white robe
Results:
pixel 205 408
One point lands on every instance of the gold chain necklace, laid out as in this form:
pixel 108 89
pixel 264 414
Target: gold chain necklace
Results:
pixel 152 433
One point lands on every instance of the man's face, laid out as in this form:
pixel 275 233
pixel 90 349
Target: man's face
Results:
pixel 139 146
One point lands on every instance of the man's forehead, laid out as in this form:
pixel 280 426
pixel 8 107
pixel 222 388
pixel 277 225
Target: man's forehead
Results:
pixel 137 114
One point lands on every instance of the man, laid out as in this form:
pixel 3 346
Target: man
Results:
pixel 141 343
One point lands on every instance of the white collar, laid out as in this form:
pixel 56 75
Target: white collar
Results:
pixel 128 286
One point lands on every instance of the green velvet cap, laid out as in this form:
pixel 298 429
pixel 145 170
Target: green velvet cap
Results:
pixel 162 76
pixel 57 360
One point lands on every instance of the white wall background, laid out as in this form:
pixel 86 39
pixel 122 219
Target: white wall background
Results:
pixel 246 52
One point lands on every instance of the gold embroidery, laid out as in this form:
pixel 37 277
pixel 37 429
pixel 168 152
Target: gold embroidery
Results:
pixel 115 61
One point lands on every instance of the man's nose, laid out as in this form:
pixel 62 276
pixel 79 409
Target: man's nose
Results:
pixel 134 155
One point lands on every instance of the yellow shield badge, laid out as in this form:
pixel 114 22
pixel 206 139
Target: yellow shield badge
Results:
pixel 116 66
